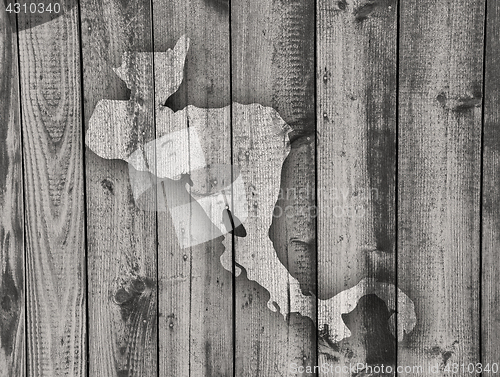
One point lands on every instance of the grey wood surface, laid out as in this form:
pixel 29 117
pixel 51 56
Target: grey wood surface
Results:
pixel 366 134
pixel 356 112
pixel 12 293
pixel 196 292
pixel 122 255
pixel 490 236
pixel 50 87
pixel 273 65
pixel 440 122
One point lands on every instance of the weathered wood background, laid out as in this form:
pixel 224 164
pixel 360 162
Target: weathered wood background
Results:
pixel 395 111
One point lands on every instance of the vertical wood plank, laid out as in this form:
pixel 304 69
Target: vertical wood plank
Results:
pixel 121 236
pixel 273 58
pixel 273 65
pixel 12 295
pixel 54 191
pixel 356 112
pixel 195 297
pixel 441 47
pixel 491 190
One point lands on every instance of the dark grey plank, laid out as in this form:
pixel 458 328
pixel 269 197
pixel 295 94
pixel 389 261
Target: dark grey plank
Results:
pixel 356 112
pixel 491 191
pixel 12 294
pixel 441 47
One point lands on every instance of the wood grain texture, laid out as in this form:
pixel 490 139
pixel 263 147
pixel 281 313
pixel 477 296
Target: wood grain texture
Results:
pixel 490 315
pixel 195 297
pixel 122 276
pixel 441 47
pixel 273 58
pixel 273 65
pixel 356 112
pixel 12 294
pixel 294 239
pixel 54 195
pixel 160 305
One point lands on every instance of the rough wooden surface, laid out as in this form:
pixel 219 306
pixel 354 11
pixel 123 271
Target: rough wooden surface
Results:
pixel 273 65
pixel 12 294
pixel 196 292
pixel 158 307
pixel 54 197
pixel 356 94
pixel 122 264
pixel 440 89
pixel 273 58
pixel 491 192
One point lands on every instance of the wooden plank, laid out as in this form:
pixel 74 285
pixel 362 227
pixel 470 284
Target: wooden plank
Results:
pixel 491 191
pixel 122 264
pixel 195 297
pixel 273 65
pixel 356 112
pixel 441 47
pixel 292 232
pixel 273 58
pixel 54 194
pixel 12 294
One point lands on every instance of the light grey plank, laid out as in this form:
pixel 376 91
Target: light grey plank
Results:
pixel 49 57
pixel 273 65
pixel 196 326
pixel 121 235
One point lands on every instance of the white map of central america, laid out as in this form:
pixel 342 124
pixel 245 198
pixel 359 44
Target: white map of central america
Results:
pixel 184 145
